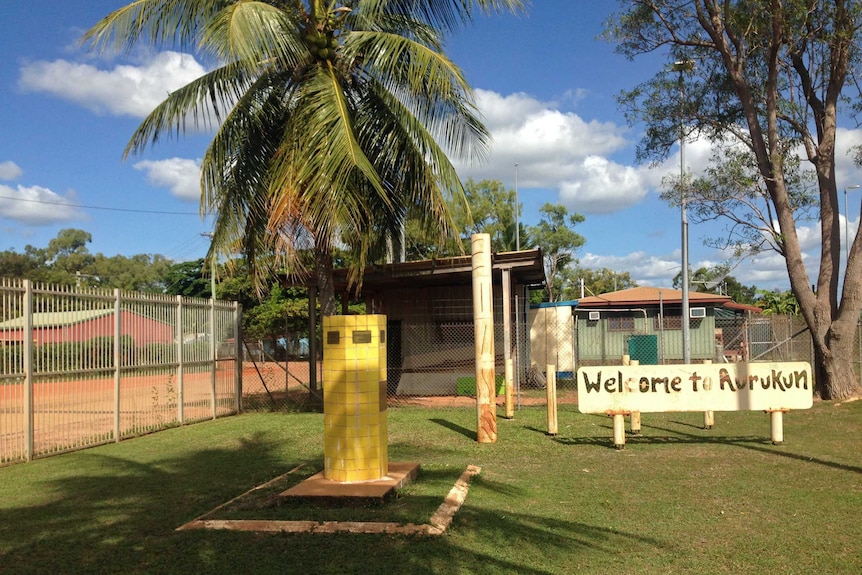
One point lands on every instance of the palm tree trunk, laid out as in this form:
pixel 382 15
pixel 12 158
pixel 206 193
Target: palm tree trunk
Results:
pixel 325 284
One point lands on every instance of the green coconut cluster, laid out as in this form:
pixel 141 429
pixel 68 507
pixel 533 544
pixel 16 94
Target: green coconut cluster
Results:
pixel 322 44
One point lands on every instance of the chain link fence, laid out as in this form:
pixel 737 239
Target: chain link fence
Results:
pixel 433 363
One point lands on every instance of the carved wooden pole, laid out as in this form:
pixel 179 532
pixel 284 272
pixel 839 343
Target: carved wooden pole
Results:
pixel 483 320
pixel 551 388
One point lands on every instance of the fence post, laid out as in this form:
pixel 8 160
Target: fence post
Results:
pixel 238 355
pixel 181 413
pixel 27 340
pixel 213 356
pixel 117 359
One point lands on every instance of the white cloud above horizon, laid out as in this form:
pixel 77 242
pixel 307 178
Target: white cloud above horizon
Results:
pixel 27 205
pixel 10 171
pixel 181 176
pixel 556 150
pixel 124 90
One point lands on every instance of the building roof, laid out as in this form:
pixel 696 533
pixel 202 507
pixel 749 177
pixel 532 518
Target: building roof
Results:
pixel 526 268
pixel 67 318
pixel 57 319
pixel 641 296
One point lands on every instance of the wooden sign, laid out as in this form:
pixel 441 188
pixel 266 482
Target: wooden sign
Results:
pixel 695 387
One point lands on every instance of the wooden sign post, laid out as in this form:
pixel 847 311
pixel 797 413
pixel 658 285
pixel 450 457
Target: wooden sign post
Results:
pixel 770 387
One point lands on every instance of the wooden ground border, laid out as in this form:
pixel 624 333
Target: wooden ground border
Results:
pixel 436 525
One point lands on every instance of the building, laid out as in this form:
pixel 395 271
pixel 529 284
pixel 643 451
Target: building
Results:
pixel 85 325
pixel 645 323
pixel 429 309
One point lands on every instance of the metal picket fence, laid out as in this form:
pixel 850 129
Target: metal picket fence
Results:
pixel 81 367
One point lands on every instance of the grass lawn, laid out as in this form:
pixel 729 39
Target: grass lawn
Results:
pixel 678 499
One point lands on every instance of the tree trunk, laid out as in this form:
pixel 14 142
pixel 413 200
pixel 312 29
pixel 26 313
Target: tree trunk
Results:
pixel 835 378
pixel 325 282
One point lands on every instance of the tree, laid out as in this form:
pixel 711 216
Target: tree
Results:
pixel 489 208
pixel 25 266
pixel 188 279
pixel 67 261
pixel 491 211
pixel 68 257
pixel 770 78
pixel 596 282
pixel 558 242
pixel 140 272
pixel 778 302
pixel 334 119
pixel 717 280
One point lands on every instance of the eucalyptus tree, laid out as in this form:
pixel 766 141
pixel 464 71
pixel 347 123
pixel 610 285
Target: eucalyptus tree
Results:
pixel 595 281
pixel 559 242
pixel 334 118
pixel 768 78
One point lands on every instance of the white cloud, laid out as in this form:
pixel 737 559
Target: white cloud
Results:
pixel 536 134
pixel 557 150
pixel 124 90
pixel 37 206
pixel 179 175
pixel 644 268
pixel 603 187
pixel 10 171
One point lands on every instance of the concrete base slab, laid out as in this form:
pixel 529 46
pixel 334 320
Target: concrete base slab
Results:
pixel 320 489
pixel 437 524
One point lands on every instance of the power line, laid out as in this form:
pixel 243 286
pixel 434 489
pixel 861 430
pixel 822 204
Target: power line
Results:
pixel 101 207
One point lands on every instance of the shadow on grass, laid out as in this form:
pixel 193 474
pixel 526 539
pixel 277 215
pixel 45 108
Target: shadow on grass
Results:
pixel 688 424
pixel 100 512
pixel 539 430
pixel 468 433
pixel 759 444
pixel 108 513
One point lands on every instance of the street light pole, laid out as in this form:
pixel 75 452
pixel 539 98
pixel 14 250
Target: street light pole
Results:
pixel 517 214
pixel 846 228
pixel 681 67
pixel 212 267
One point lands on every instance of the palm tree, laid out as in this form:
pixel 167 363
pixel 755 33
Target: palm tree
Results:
pixel 333 118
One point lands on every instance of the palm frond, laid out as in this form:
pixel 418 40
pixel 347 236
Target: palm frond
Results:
pixel 159 22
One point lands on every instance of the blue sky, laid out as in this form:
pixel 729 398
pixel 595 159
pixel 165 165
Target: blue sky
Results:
pixel 544 82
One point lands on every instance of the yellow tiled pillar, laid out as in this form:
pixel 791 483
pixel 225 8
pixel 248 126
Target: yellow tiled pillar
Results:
pixel 355 431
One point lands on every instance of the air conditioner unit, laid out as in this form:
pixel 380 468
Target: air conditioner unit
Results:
pixel 595 315
pixel 697 312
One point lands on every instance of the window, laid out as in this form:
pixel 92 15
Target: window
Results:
pixel 669 322
pixel 621 323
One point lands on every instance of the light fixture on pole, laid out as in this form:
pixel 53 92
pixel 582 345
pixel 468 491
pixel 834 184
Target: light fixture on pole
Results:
pixel 517 214
pixel 212 267
pixel 681 67
pixel 846 218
